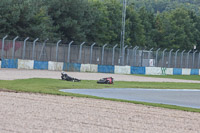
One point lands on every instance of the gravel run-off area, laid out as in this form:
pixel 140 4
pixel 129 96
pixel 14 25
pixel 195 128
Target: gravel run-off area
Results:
pixel 27 112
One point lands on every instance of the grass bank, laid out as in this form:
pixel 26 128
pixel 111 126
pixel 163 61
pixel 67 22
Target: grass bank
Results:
pixel 52 86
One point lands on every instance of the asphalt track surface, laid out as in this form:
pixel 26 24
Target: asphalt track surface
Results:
pixel 185 98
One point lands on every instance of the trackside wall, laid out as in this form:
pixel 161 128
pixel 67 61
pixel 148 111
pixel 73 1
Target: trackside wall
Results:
pixel 9 63
pixel 41 65
pixel 153 71
pixel 55 66
pixel 122 69
pixel 186 71
pixel 76 67
pixel 25 64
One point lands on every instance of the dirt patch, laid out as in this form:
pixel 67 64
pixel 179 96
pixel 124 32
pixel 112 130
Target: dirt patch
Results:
pixel 12 74
pixel 6 90
pixel 23 112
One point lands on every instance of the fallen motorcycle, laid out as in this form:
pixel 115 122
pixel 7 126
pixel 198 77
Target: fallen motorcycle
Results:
pixel 108 80
pixel 64 76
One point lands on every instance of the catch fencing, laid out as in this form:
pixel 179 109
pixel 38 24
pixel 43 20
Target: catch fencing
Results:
pixel 92 54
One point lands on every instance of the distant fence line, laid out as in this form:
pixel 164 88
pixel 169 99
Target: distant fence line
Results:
pixel 83 54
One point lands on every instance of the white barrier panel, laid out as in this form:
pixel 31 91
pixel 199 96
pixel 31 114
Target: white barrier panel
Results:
pixel 199 71
pixel 123 69
pixel 186 71
pixel 85 68
pixel 93 68
pixel 169 71
pixel 154 71
pixel 0 64
pixel 89 68
pixel 55 66
pixel 25 64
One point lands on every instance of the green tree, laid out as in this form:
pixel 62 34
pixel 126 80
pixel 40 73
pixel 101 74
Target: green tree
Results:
pixel 134 28
pixel 107 22
pixel 73 18
pixel 148 21
pixel 19 18
pixel 180 30
pixel 9 16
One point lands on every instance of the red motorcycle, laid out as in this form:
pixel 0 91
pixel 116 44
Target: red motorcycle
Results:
pixel 108 80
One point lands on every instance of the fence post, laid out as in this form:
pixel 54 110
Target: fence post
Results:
pixel 141 63
pixel 169 60
pixel 193 57
pixel 133 53
pixel 136 53
pixel 2 50
pixel 33 52
pixel 156 64
pixel 102 56
pixel 91 52
pixel 80 53
pixel 57 50
pixel 43 46
pixel 13 50
pixel 124 54
pixel 163 56
pixel 199 61
pixel 188 54
pixel 113 55
pixel 24 48
pixel 176 57
pixel 69 50
pixel 182 58
pixel 149 53
pixel 128 53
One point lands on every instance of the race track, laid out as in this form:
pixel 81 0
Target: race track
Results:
pixel 23 112
pixel 179 97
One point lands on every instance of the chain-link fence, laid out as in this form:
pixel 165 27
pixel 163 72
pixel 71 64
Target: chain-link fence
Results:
pixel 76 53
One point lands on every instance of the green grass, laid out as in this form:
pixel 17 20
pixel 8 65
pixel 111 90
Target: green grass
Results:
pixel 52 86
pixel 186 77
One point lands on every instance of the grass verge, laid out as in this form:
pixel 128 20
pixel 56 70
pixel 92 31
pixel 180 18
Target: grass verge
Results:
pixel 52 86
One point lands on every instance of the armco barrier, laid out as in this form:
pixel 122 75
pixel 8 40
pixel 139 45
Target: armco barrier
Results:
pixel 122 69
pixel 166 71
pixel 106 69
pixel 138 70
pixel 85 68
pixel 169 71
pixel 73 67
pixel 194 72
pixel 177 71
pixel 59 66
pixel 93 68
pixel 9 63
pixel 55 66
pixel 42 65
pixel 153 71
pixel 25 64
pixel 186 71
pixel 89 68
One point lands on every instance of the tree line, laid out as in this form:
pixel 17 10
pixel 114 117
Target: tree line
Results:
pixel 100 21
